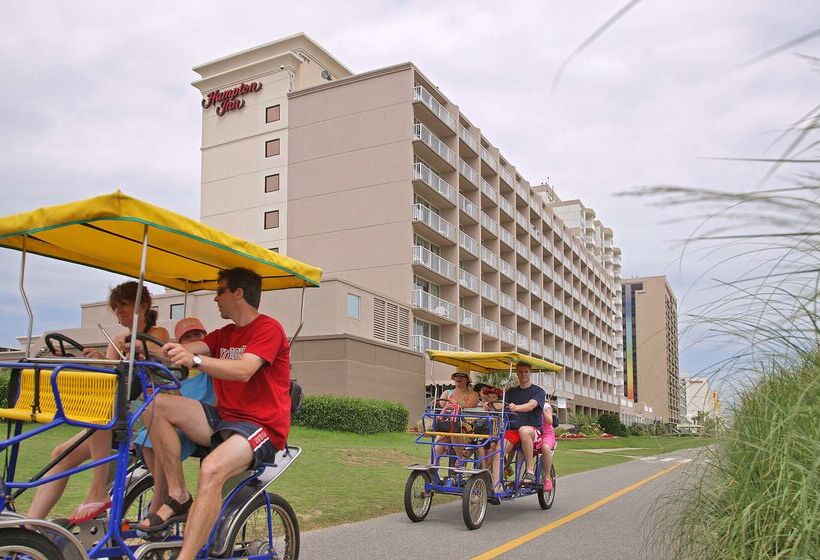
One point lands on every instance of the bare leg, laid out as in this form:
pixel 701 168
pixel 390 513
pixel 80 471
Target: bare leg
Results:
pixel 100 446
pixel 47 495
pixel 160 485
pixel 230 458
pixel 527 434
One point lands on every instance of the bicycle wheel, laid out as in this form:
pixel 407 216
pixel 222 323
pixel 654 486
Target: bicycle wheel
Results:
pixel 250 534
pixel 545 499
pixel 474 501
pixel 23 543
pixel 137 499
pixel 417 502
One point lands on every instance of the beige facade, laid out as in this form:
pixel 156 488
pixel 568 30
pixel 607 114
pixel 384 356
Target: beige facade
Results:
pixel 701 399
pixel 650 325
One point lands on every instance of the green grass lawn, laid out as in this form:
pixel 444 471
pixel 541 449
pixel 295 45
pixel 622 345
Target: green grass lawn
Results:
pixel 342 477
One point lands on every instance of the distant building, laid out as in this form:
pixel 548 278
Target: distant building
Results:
pixel 650 339
pixel 701 400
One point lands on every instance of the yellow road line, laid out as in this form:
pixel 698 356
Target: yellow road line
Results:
pixel 523 539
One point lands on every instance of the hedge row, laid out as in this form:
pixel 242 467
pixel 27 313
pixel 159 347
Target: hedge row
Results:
pixel 349 414
pixel 4 385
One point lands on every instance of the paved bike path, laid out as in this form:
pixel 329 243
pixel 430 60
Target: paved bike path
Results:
pixel 616 529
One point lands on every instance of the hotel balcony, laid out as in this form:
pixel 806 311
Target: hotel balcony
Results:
pixel 468 319
pixel 535 288
pixel 506 269
pixel 506 177
pixel 523 191
pixel 506 335
pixel 442 267
pixel 522 342
pixel 522 249
pixel 441 229
pixel 507 238
pixel 537 319
pixel 468 281
pixel 435 144
pixel 488 190
pixel 489 328
pixel 468 172
pixel 424 343
pixel 468 244
pixel 434 306
pixel 422 95
pixel 438 185
pixel 536 348
pixel 488 159
pixel 489 258
pixel 489 293
pixel 521 220
pixel 470 209
pixel 489 224
pixel 522 280
pixel 468 139
pixel 506 207
pixel 507 302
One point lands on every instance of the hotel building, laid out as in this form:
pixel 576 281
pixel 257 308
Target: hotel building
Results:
pixel 650 340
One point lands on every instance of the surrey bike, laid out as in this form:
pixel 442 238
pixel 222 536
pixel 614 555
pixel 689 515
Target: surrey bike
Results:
pixel 476 437
pixel 123 235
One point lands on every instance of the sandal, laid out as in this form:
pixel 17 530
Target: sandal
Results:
pixel 88 511
pixel 528 479
pixel 179 512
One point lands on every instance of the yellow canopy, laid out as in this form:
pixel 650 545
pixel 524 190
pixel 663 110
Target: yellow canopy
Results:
pixel 486 362
pixel 106 232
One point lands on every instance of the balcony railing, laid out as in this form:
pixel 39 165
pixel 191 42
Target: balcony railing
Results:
pixel 469 319
pixel 488 257
pixel 521 249
pixel 488 158
pixel 424 343
pixel 535 288
pixel 421 94
pixel 537 319
pixel 468 243
pixel 506 269
pixel 434 221
pixel 488 292
pixel 536 348
pixel 506 206
pixel 522 341
pixel 506 335
pixel 468 207
pixel 467 172
pixel 488 190
pixel 489 224
pixel 434 143
pixel 434 304
pixel 468 281
pixel 490 328
pixel 423 173
pixel 521 279
pixel 505 176
pixel 521 220
pixel 507 302
pixel 522 190
pixel 425 257
pixel 468 138
pixel 522 310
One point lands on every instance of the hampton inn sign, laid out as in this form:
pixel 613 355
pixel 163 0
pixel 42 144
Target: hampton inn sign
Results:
pixel 229 99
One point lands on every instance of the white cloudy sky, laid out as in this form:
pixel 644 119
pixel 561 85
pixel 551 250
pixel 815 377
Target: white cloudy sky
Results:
pixel 97 96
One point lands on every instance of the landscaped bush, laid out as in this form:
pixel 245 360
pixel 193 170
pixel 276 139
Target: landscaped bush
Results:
pixel 349 414
pixel 611 424
pixel 5 373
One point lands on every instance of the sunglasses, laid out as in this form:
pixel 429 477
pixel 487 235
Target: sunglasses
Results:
pixel 221 290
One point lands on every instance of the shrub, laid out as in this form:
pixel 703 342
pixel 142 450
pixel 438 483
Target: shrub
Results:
pixel 5 373
pixel 611 424
pixel 349 414
pixel 581 421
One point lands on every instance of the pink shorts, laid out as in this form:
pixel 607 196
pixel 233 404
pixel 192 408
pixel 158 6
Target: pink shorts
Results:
pixel 546 439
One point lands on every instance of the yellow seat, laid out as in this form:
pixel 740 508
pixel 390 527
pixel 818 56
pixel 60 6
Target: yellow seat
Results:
pixel 86 397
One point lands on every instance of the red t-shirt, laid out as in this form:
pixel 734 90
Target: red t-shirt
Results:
pixel 265 398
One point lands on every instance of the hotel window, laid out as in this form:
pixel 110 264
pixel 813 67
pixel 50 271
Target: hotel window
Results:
pixel 177 310
pixel 272 148
pixel 272 183
pixel 272 219
pixel 272 114
pixel 353 305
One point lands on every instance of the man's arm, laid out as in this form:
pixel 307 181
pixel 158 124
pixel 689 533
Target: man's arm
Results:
pixel 230 370
pixel 526 407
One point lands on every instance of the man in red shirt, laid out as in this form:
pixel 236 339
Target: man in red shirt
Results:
pixel 249 362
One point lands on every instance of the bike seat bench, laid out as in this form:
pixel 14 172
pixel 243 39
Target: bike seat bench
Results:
pixel 86 396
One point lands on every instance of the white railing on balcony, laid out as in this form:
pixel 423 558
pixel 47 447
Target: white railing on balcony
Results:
pixel 521 249
pixel 506 269
pixel 521 220
pixel 505 176
pixel 421 94
pixel 521 279
pixel 468 138
pixel 434 221
pixel 488 190
pixel 434 304
pixel 468 319
pixel 537 319
pixel 467 172
pixel 468 207
pixel 434 143
pixel 424 343
pixel 506 335
pixel 523 191
pixel 488 158
pixel 489 224
pixel 506 206
pixel 489 257
pixel 507 302
pixel 468 243
pixel 507 238
pixel 468 281
pixel 423 173
pixel 535 288
pixel 547 297
pixel 488 292
pixel 490 328
pixel 423 256
pixel 522 341
pixel 537 262
pixel 522 310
